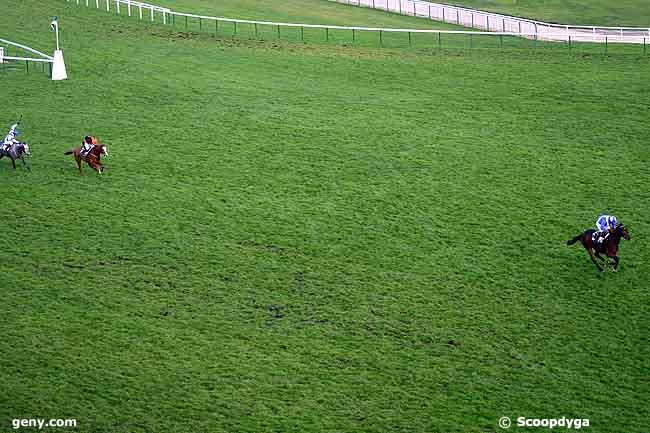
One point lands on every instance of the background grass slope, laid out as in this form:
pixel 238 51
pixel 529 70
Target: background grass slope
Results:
pixel 299 238
pixel 578 12
pixel 634 13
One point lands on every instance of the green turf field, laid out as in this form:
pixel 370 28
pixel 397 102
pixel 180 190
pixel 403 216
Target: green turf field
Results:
pixel 634 13
pixel 319 237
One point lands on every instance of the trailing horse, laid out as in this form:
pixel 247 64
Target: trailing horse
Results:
pixel 16 151
pixel 609 247
pixel 93 158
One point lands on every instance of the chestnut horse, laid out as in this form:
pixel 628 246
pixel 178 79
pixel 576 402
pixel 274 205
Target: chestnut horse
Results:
pixel 93 158
pixel 609 247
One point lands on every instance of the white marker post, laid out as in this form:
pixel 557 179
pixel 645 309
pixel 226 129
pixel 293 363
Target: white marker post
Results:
pixel 58 65
pixel 2 54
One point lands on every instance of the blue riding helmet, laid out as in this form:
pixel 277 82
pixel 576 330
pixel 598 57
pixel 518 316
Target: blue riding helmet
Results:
pixel 16 132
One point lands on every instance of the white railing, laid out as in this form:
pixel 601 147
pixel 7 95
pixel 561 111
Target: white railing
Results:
pixel 491 25
pixel 504 23
pixel 129 6
pixel 42 57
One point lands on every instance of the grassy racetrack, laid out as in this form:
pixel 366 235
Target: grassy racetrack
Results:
pixel 319 238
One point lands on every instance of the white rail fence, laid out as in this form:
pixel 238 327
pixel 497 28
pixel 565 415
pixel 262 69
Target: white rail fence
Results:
pixel 504 23
pixel 493 24
pixel 23 53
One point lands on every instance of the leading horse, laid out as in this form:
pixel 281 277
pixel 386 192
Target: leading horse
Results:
pixel 93 158
pixel 16 151
pixel 609 247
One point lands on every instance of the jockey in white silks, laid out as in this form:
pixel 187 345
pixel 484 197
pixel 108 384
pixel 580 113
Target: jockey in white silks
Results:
pixel 88 143
pixel 10 138
pixel 605 225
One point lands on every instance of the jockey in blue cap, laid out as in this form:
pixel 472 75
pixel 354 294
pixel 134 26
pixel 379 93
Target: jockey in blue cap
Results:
pixel 10 138
pixel 605 225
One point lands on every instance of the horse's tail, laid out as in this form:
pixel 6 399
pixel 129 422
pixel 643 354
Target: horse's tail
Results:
pixel 574 240
pixel 69 152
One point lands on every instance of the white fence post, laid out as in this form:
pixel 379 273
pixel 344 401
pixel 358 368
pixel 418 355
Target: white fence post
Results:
pixel 108 6
pixel 2 54
pixel 117 6
pixel 96 4
pixel 151 14
pixel 128 7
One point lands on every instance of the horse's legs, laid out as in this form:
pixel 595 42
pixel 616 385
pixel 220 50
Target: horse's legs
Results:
pixel 599 256
pixel 617 259
pixel 593 259
pixel 22 158
pixel 13 162
pixel 78 160
pixel 97 166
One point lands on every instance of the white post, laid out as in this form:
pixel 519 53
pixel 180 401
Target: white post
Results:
pixel 621 33
pixel 152 13
pixel 108 7
pixel 97 4
pixel 86 3
pixel 128 7
pixel 593 35
pixel 55 26
pixel 2 54
pixel 117 6
pixel 140 11
pixel 164 17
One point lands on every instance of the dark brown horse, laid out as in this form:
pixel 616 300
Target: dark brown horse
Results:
pixel 93 158
pixel 609 247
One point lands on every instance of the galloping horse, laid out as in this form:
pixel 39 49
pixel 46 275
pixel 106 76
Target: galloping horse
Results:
pixel 16 151
pixel 92 158
pixel 609 247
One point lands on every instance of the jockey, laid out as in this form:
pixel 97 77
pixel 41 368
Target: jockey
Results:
pixel 605 225
pixel 10 138
pixel 88 143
